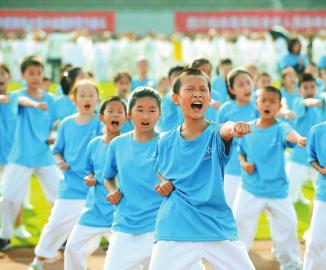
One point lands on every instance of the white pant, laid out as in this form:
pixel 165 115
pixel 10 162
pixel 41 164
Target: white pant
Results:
pixel 298 174
pixel 82 242
pixel 231 185
pixel 64 215
pixel 128 251
pixel 16 180
pixel 177 255
pixel 315 254
pixel 283 223
pixel 2 167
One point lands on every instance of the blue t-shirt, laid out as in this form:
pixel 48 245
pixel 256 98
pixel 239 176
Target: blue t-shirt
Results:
pixel 265 147
pixel 64 107
pixel 230 111
pixel 291 60
pixel 137 83
pixel 98 212
pixel 132 162
pixel 219 85
pixel 33 128
pixel 316 148
pixel 196 209
pixel 306 118
pixel 171 115
pixel 290 97
pixel 71 143
pixel 127 126
pixel 8 113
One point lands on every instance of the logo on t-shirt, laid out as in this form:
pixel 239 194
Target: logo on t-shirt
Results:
pixel 208 153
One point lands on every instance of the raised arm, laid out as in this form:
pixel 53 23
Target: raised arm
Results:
pixel 295 138
pixel 27 102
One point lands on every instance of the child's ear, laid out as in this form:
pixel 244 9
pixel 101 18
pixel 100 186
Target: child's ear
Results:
pixel 175 99
pixel 101 117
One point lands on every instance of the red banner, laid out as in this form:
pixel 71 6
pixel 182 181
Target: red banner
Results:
pixel 253 20
pixel 93 21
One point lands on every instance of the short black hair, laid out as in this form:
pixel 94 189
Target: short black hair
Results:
pixel 141 92
pixel 291 44
pixel 200 62
pixel 31 60
pixel 175 70
pixel 231 78
pixel 189 72
pixel 225 61
pixel 106 102
pixel 271 89
pixel 306 77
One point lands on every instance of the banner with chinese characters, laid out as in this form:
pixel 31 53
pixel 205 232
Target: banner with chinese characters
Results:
pixel 27 20
pixel 255 20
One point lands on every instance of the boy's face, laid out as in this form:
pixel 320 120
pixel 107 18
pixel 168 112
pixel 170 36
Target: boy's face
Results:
pixel 207 69
pixel 194 96
pixel 264 81
pixel 224 69
pixel 142 67
pixel 123 86
pixel 308 89
pixel 268 104
pixel 145 113
pixel 33 75
pixel 114 116
pixel 86 98
pixel 290 79
pixel 4 80
pixel 163 86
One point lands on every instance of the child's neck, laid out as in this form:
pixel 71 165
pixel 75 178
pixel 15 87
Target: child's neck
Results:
pixel 124 97
pixel 35 92
pixel 242 102
pixel 144 136
pixel 109 136
pixel 84 118
pixel 265 122
pixel 290 89
pixel 192 128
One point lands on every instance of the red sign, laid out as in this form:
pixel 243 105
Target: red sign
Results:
pixel 252 20
pixel 94 21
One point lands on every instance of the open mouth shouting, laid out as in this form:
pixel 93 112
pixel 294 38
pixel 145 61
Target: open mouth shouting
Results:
pixel 87 106
pixel 115 123
pixel 145 123
pixel 196 106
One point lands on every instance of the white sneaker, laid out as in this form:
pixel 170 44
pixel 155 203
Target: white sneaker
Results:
pixel 21 232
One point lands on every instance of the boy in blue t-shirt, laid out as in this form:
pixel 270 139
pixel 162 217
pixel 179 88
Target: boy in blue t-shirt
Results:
pixel 194 220
pixel 264 183
pixel 315 254
pixel 30 152
pixel 97 216
pixel 309 112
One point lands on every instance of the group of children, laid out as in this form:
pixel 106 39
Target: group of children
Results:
pixel 169 177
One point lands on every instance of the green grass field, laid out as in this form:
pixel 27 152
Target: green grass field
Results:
pixel 35 219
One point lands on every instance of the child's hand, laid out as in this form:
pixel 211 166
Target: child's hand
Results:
pixel 41 106
pixel 313 102
pixel 323 171
pixel 248 167
pixel 165 187
pixel 114 197
pixel 90 180
pixel 240 129
pixel 50 141
pixel 63 166
pixel 215 104
pixel 288 114
pixel 302 142
pixel 4 99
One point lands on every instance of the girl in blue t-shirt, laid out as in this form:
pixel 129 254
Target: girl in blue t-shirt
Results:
pixel 131 158
pixel 97 216
pixel 238 108
pixel 74 134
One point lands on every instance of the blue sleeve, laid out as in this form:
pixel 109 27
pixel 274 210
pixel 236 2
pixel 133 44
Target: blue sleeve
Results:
pixel 311 149
pixel 89 166
pixel 286 129
pixel 221 145
pixel 305 60
pixel 221 118
pixel 13 100
pixel 59 145
pixel 299 108
pixel 241 148
pixel 110 168
pixel 157 156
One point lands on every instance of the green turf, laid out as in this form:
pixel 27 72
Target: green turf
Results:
pixel 36 218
